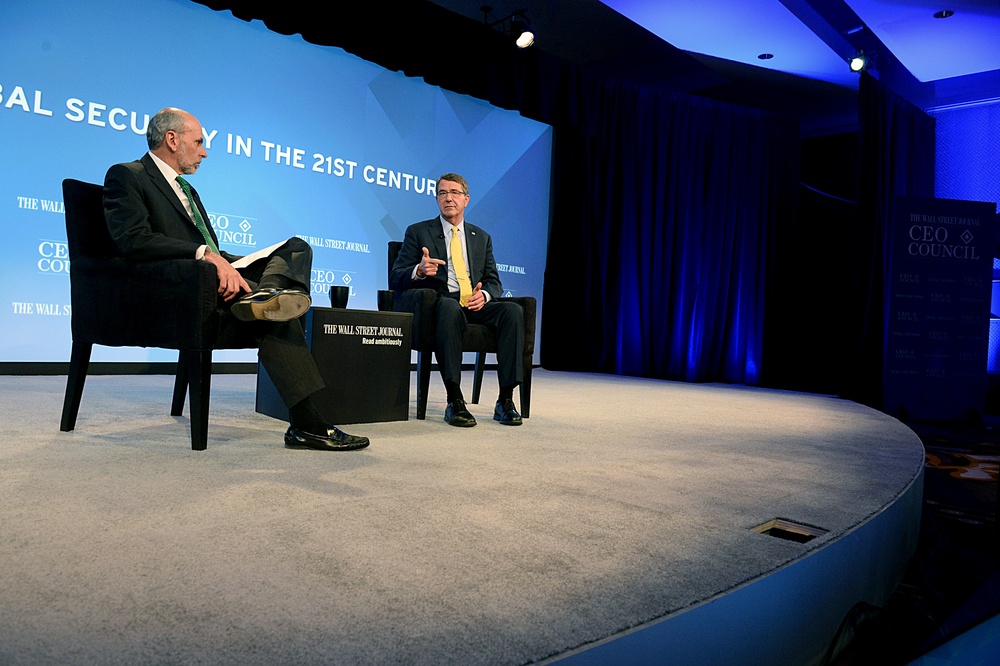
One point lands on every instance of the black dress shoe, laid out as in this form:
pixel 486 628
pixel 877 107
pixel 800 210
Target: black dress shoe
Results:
pixel 272 305
pixel 457 414
pixel 334 440
pixel 506 413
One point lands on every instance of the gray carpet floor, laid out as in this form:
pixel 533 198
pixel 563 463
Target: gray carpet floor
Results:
pixel 619 502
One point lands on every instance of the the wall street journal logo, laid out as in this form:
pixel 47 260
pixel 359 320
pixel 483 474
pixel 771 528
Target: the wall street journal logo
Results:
pixel 233 229
pixel 53 257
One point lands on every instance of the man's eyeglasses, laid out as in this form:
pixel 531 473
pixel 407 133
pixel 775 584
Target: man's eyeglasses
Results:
pixel 454 193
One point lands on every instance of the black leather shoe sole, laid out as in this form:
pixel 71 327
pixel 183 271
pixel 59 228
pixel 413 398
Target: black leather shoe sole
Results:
pixel 337 440
pixel 275 305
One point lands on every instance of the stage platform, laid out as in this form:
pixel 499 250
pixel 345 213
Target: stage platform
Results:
pixel 616 526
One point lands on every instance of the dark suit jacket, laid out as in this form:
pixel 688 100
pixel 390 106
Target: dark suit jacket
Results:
pixel 482 266
pixel 148 222
pixel 145 217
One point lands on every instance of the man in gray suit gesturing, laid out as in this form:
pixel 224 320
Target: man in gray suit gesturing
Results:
pixel 455 258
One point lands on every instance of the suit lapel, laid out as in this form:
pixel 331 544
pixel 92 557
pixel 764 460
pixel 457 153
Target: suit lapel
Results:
pixel 166 189
pixel 438 238
pixel 475 246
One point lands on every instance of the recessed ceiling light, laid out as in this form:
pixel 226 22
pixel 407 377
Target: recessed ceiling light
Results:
pixel 765 56
pixel 944 13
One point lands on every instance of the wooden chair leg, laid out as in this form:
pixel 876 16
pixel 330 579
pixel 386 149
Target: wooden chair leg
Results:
pixel 423 382
pixel 199 371
pixel 526 388
pixel 477 378
pixel 79 363
pixel 180 384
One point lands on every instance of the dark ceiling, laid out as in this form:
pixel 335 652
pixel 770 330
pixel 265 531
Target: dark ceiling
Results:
pixel 708 48
pixel 811 40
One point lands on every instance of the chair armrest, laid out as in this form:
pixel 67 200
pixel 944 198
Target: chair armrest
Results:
pixel 171 304
pixel 529 304
pixel 420 303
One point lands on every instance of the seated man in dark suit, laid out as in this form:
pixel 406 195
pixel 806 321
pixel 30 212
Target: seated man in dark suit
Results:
pixel 455 259
pixel 153 213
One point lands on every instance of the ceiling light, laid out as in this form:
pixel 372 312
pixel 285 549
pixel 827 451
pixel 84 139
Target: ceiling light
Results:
pixel 860 62
pixel 515 25
pixel 521 31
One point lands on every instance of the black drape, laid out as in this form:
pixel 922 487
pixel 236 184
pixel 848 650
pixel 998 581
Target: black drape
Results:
pixel 897 160
pixel 660 245
pixel 809 306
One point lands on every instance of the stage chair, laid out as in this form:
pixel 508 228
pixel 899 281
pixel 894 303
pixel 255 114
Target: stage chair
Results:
pixel 479 339
pixel 117 303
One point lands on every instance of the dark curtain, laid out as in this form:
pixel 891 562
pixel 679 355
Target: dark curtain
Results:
pixel 660 246
pixel 897 160
pixel 806 297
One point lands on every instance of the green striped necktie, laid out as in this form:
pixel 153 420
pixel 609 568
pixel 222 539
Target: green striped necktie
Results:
pixel 198 221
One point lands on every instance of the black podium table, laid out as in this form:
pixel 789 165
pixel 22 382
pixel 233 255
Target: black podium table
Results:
pixel 364 358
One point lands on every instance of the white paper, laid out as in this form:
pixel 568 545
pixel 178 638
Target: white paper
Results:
pixel 259 254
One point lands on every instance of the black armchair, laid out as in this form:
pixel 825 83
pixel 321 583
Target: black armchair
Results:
pixel 166 304
pixel 477 338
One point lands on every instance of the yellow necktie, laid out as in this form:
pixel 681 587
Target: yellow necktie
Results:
pixel 461 272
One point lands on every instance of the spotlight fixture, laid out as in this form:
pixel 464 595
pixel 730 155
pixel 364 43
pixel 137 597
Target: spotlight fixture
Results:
pixel 519 26
pixel 860 62
pixel 515 25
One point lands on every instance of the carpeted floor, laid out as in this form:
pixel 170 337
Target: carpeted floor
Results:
pixel 953 581
pixel 620 502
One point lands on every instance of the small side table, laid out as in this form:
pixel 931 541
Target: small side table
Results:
pixel 364 359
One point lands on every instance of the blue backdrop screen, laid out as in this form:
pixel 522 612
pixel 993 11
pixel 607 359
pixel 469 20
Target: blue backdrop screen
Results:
pixel 302 140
